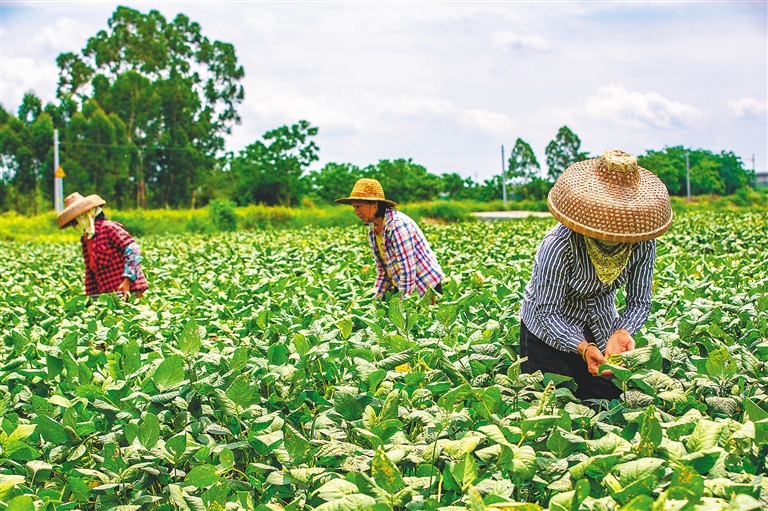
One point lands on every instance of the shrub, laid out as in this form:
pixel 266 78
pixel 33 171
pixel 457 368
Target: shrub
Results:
pixel 222 215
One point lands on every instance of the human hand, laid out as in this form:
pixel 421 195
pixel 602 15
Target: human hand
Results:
pixel 618 343
pixel 594 359
pixel 125 287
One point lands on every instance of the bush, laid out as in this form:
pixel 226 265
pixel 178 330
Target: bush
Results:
pixel 222 215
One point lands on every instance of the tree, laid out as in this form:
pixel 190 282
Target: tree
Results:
pixel 722 173
pixel 563 151
pixel 271 171
pixel 404 181
pixel 174 91
pixel 26 149
pixel 333 181
pixel 523 165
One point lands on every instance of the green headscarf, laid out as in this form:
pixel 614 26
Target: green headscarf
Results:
pixel 608 258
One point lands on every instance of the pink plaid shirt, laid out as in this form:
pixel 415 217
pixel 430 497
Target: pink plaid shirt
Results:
pixel 407 256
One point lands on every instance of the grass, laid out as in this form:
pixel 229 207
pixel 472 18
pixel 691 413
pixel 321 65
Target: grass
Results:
pixel 140 223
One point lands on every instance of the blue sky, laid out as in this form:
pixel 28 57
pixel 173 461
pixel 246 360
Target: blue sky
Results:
pixel 447 83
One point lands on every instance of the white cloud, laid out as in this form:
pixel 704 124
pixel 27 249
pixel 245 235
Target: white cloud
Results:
pixel 747 106
pixel 617 105
pixel 64 33
pixel 23 74
pixel 520 42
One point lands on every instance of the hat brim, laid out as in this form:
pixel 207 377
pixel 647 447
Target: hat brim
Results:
pixel 350 200
pixel 586 230
pixel 624 207
pixel 77 208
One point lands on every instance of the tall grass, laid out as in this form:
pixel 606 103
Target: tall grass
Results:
pixel 224 216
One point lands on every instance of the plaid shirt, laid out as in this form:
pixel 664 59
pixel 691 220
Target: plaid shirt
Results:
pixel 108 248
pixel 407 256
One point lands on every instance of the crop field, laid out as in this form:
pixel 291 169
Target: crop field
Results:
pixel 259 374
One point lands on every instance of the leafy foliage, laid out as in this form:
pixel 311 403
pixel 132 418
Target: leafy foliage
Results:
pixel 259 372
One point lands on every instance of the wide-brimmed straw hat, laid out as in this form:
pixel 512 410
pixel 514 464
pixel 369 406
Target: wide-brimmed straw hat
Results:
pixel 367 189
pixel 75 205
pixel 612 199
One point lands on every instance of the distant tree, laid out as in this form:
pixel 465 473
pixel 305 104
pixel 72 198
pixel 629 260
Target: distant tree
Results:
pixel 26 149
pixel 270 171
pixel 563 151
pixel 175 92
pixel 523 165
pixel 405 181
pixel 334 180
pixel 722 173
pixel 456 187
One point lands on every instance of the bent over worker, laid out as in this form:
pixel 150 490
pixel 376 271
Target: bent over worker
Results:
pixel 610 211
pixel 404 260
pixel 112 257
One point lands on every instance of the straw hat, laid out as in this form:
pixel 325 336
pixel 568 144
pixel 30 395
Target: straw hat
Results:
pixel 74 205
pixel 367 190
pixel 612 199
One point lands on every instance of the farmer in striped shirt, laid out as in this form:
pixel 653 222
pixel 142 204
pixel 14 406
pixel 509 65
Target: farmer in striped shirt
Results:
pixel 403 258
pixel 610 212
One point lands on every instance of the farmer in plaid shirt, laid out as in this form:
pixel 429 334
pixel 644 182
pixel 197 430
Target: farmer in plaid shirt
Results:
pixel 403 257
pixel 112 257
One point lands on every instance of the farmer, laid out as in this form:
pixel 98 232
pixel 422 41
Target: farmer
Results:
pixel 610 212
pixel 403 257
pixel 112 257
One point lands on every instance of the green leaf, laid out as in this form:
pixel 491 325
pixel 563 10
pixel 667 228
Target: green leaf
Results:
pixel 524 462
pixel 754 412
pixel 705 436
pixel 650 433
pixel 347 405
pixel 297 446
pixel 720 364
pixel 189 341
pixel 169 373
pixel 621 373
pixel 538 426
pixel 177 445
pixel 489 401
pixel 240 392
pixel 345 327
pixel 647 357
pixel 265 444
pixel 386 473
pixel 301 344
pixel 563 443
pixel 396 315
pixel 79 489
pixel 202 476
pixel 336 489
pixel 149 430
pixel 50 430
pixel 21 503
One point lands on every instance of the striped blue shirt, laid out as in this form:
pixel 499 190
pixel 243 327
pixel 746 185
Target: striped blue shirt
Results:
pixel 565 294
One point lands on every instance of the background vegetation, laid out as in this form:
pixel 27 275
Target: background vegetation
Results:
pixel 143 109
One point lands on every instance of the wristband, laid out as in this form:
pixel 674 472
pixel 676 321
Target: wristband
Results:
pixel 584 353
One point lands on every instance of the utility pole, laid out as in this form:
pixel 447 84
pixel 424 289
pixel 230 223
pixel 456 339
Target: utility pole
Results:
pixel 58 176
pixel 503 177
pixel 688 176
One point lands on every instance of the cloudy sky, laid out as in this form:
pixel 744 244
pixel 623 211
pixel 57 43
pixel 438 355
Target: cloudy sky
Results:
pixel 448 83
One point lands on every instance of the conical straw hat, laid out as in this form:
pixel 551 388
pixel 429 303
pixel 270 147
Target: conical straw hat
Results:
pixel 612 199
pixel 74 205
pixel 367 190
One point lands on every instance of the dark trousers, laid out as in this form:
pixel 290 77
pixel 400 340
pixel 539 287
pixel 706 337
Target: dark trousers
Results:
pixel 543 357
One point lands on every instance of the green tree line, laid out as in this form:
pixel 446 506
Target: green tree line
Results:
pixel 143 109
